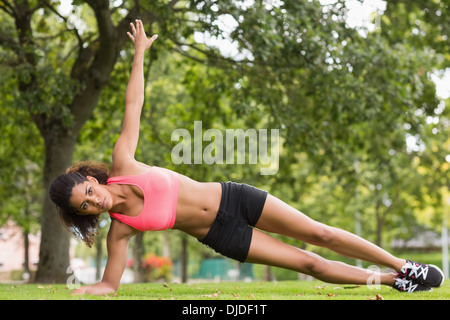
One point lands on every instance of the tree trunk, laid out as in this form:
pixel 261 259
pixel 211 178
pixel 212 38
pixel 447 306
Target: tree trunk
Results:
pixel 138 252
pixel 380 224
pixel 184 258
pixel 26 232
pixel 166 244
pixel 99 257
pixel 26 252
pixel 54 248
pixel 268 274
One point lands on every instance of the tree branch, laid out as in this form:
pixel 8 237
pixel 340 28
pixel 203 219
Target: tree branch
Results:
pixel 9 42
pixel 75 30
pixel 210 55
pixel 96 62
pixel 8 8
pixel 172 3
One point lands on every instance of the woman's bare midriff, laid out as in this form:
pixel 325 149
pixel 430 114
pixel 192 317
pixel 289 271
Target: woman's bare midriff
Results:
pixel 198 204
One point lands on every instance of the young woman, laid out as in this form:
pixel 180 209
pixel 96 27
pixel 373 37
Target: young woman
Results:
pixel 140 198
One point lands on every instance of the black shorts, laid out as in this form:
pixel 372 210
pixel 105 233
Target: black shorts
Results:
pixel 241 206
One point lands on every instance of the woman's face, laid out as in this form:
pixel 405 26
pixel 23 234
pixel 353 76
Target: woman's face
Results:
pixel 90 197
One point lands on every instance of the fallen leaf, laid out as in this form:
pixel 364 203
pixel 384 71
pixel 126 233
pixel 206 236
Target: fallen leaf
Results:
pixel 216 294
pixel 331 295
pixel 251 296
pixel 44 287
pixel 377 297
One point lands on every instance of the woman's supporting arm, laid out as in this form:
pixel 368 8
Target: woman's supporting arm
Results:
pixel 117 243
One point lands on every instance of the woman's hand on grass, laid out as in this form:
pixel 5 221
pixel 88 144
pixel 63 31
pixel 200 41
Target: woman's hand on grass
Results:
pixel 98 289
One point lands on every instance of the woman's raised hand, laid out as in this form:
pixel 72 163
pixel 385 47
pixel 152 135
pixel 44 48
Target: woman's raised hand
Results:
pixel 139 38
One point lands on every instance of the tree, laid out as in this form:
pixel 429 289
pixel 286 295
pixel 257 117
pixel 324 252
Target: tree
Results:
pixel 425 24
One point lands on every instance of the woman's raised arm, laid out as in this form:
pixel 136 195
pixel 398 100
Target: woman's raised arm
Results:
pixel 126 144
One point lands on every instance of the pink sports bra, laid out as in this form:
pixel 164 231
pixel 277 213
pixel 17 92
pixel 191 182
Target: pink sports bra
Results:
pixel 160 189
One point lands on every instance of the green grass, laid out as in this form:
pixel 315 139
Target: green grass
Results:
pixel 283 290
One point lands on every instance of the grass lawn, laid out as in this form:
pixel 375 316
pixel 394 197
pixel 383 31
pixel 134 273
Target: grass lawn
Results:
pixel 258 290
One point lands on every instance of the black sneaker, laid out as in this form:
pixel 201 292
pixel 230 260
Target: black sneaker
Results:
pixel 426 274
pixel 403 284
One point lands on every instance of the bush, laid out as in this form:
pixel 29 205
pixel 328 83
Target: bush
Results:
pixel 156 268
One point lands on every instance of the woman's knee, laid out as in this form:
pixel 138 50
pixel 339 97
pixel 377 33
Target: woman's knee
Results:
pixel 323 235
pixel 314 265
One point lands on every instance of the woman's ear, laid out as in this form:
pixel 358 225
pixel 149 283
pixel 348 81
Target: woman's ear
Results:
pixel 92 179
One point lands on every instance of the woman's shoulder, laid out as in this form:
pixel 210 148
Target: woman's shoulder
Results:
pixel 119 230
pixel 128 168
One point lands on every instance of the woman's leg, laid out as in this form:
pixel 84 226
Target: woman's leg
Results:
pixel 279 217
pixel 267 250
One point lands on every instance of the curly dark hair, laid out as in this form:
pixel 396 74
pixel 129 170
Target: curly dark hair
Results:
pixel 83 227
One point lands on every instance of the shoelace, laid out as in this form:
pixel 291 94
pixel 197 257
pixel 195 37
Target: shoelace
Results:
pixel 406 285
pixel 417 270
